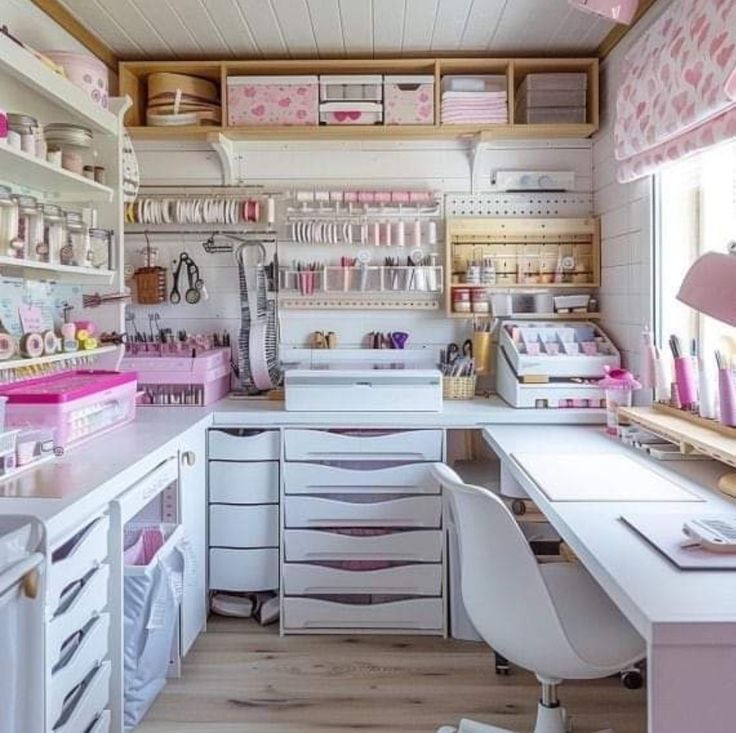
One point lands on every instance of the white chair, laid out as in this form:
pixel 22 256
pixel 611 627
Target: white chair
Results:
pixel 550 618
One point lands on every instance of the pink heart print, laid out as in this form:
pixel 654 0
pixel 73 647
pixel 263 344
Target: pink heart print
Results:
pixel 284 102
pixel 249 91
pixel 259 110
pixel 694 74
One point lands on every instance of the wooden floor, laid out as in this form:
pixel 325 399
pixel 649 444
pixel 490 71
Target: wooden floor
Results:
pixel 240 678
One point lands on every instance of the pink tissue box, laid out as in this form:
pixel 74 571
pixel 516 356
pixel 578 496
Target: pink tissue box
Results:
pixel 272 100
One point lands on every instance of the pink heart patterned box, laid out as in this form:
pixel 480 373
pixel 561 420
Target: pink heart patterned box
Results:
pixel 409 100
pixel 272 100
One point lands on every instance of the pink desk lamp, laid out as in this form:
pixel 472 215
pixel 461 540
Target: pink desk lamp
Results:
pixel 622 11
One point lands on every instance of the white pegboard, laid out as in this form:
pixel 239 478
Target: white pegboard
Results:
pixel 518 204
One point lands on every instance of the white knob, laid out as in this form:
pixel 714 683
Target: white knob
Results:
pixel 188 458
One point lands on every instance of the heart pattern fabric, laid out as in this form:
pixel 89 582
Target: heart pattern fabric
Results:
pixel 674 98
pixel 272 104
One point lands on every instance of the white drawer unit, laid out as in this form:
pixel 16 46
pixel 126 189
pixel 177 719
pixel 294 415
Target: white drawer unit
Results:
pixel 313 580
pixel 244 526
pixel 243 444
pixel 301 512
pixel 311 614
pixel 364 445
pixel 314 478
pixel 244 570
pixel 308 545
pixel 244 483
pixel 87 703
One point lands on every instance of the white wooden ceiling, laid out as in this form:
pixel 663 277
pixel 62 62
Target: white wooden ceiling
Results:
pixel 170 29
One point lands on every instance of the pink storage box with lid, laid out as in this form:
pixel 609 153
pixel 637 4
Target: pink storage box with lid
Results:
pixel 85 71
pixel 78 404
pixel 409 100
pixel 197 380
pixel 272 100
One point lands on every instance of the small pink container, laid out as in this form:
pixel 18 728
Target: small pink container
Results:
pixel 272 100
pixel 85 71
pixel 687 383
pixel 79 404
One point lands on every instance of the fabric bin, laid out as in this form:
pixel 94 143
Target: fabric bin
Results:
pixel 352 87
pixel 409 100
pixel 272 100
pixel 351 113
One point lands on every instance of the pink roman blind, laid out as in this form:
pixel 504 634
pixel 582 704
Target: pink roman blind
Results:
pixel 673 99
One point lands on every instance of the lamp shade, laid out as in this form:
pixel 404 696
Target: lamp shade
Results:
pixel 622 11
pixel 710 286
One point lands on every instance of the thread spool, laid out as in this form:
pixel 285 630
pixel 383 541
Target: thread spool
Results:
pixel 270 210
pixel 8 346
pixel 50 343
pixel 432 232
pixel 31 345
pixel 68 331
pixel 417 233
pixel 400 234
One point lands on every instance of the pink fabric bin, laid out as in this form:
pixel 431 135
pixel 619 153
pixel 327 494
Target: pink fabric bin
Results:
pixel 409 100
pixel 199 380
pixel 78 404
pixel 272 100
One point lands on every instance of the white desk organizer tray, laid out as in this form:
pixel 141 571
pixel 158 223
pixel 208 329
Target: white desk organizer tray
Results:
pixel 553 364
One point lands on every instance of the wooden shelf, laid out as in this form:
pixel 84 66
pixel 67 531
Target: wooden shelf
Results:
pixel 52 181
pixel 534 316
pixel 30 270
pixel 528 286
pixel 54 358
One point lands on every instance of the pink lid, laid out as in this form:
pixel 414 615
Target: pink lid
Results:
pixel 619 379
pixel 64 387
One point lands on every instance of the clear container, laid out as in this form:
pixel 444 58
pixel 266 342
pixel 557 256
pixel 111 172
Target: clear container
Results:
pixel 30 226
pixel 8 221
pixel 54 232
pixel 100 242
pixel 77 252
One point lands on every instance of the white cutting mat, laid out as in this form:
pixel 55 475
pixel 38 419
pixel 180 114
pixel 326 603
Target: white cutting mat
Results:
pixel 598 477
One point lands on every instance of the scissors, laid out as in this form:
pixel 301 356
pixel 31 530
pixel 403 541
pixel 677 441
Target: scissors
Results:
pixel 453 351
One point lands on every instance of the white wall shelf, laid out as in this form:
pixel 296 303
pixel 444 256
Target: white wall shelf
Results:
pixel 53 182
pixel 54 358
pixel 13 267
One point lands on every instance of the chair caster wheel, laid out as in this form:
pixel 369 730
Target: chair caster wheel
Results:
pixel 518 507
pixel 632 680
pixel 502 665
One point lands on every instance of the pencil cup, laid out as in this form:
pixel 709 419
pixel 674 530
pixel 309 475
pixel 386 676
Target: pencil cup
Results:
pixel 727 396
pixel 483 352
pixel 686 383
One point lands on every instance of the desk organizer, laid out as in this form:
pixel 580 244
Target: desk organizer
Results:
pixel 172 379
pixel 79 404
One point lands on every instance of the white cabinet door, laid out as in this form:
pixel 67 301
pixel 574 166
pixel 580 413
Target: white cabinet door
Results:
pixel 193 491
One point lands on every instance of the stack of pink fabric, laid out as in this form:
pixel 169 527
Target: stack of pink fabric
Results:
pixel 462 108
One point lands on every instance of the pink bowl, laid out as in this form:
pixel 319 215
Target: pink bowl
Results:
pixel 86 71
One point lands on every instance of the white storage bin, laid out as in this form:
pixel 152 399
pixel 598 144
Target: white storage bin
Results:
pixel 305 545
pixel 369 445
pixel 351 87
pixel 311 478
pixel 351 113
pixel 421 614
pixel 85 706
pixel 244 570
pixel 244 483
pixel 301 512
pixel 413 580
pixel 244 526
pixel 243 444
pixel 75 558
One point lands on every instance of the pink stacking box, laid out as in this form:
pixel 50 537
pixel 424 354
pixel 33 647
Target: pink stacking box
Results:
pixel 181 380
pixel 272 100
pixel 78 404
pixel 409 100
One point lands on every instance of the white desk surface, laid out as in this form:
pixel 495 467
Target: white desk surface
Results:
pixel 655 596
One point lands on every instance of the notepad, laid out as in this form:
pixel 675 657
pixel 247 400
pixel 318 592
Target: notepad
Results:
pixel 598 477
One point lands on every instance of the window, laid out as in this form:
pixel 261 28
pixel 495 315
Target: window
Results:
pixel 697 214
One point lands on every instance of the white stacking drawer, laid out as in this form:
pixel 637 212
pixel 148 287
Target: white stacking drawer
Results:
pixel 244 526
pixel 313 478
pixel 305 545
pixel 244 570
pixel 91 650
pixel 86 601
pixel 412 580
pixel 87 704
pixel 240 444
pixel 301 512
pixel 244 483
pixel 82 553
pixel 421 614
pixel 372 445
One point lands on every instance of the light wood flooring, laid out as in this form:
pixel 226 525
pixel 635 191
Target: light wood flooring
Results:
pixel 240 678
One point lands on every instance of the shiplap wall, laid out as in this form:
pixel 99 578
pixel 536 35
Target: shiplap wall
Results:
pixel 627 219
pixel 440 165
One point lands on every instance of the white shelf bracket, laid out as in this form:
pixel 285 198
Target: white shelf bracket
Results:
pixel 223 146
pixel 477 147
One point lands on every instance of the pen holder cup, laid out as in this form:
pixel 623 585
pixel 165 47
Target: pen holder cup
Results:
pixel 458 388
pixel 727 397
pixel 483 352
pixel 686 382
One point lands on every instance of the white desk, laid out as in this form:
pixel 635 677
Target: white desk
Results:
pixel 687 618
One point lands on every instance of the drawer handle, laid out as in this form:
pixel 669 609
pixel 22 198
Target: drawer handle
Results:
pixel 363 453
pixel 358 487
pixel 188 458
pixel 331 589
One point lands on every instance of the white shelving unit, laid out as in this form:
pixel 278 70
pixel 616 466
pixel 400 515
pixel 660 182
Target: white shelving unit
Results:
pixel 29 269
pixel 54 359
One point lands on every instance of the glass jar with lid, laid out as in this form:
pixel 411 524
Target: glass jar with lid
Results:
pixel 100 243
pixel 54 235
pixel 8 222
pixel 77 251
pixel 30 226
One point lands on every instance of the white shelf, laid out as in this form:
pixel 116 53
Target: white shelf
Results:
pixel 28 70
pixel 54 182
pixel 54 358
pixel 30 270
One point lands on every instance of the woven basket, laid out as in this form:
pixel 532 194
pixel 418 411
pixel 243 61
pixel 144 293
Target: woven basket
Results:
pixel 458 388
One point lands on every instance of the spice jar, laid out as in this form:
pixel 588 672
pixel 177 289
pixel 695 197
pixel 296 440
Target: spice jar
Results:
pixel 461 300
pixel 54 235
pixel 8 222
pixel 30 225
pixel 77 251
pixel 100 243
pixel 25 126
